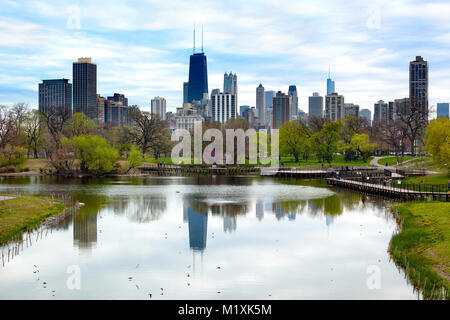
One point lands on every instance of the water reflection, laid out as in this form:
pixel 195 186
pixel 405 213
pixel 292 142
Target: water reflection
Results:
pixel 267 237
pixel 85 231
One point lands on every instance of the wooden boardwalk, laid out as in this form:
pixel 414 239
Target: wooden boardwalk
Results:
pixel 392 192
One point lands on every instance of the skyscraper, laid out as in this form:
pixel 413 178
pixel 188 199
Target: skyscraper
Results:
pixel 198 75
pixel 281 110
pixel 442 110
pixel 85 88
pixel 334 106
pixel 381 112
pixel 402 108
pixel 315 105
pixel 159 107
pixel 230 83
pixel 185 92
pixel 242 109
pixel 330 85
pixel 418 83
pixel 268 97
pixel 294 101
pixel 351 110
pixel 223 106
pixel 118 97
pixel 260 104
pixel 55 94
pixel 367 114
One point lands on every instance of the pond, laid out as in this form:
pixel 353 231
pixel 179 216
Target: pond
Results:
pixel 204 237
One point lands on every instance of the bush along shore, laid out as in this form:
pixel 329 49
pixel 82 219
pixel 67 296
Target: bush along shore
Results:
pixel 422 246
pixel 22 213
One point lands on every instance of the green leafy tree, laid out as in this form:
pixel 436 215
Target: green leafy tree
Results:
pixel 294 140
pixel 437 140
pixel 361 143
pixel 135 158
pixel 95 153
pixel 79 124
pixel 325 142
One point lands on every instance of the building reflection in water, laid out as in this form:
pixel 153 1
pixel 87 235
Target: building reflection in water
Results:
pixel 140 209
pixel 259 209
pixel 85 231
pixel 198 228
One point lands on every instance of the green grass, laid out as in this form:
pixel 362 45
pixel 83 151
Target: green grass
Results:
pixel 422 247
pixel 290 162
pixel 392 161
pixel 25 212
pixel 440 178
pixel 337 161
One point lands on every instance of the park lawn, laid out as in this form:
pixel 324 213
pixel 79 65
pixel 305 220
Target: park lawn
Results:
pixel 25 212
pixel 337 161
pixel 440 178
pixel 290 162
pixel 423 245
pixel 392 160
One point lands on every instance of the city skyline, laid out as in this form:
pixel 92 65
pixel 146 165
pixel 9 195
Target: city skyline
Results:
pixel 367 62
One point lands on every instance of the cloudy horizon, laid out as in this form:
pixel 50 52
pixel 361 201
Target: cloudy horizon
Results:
pixel 142 48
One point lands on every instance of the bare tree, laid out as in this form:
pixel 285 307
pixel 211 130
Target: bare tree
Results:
pixel 150 132
pixel 392 135
pixel 33 128
pixel 414 122
pixel 55 121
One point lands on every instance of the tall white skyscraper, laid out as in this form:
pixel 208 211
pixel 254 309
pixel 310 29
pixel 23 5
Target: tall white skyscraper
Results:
pixel 260 103
pixel 159 107
pixel 223 106
pixel 293 95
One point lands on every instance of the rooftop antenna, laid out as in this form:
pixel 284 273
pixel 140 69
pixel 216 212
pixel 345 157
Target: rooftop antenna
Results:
pixel 329 72
pixel 202 39
pixel 194 39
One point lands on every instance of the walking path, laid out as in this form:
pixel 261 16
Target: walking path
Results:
pixel 5 198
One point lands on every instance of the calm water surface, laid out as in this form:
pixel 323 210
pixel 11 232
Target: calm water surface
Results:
pixel 205 238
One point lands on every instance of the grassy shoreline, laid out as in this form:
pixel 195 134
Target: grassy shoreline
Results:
pixel 422 247
pixel 25 212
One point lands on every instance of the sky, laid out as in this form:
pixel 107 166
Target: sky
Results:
pixel 142 48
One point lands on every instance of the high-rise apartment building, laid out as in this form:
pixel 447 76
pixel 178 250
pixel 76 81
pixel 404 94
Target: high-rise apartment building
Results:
pixel 315 105
pixel 281 110
pixel 402 108
pixel 366 114
pixel 55 94
pixel 351 110
pixel 334 107
pixel 381 112
pixel 117 97
pixel 260 104
pixel 293 94
pixel 159 107
pixel 85 88
pixel 418 83
pixel 223 107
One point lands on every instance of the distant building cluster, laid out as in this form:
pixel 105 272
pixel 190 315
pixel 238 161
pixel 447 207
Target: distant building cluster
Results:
pixel 272 108
pixel 82 97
